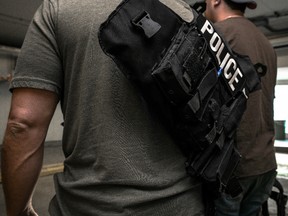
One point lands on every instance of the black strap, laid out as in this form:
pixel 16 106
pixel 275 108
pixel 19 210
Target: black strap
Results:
pixel 207 83
pixel 279 197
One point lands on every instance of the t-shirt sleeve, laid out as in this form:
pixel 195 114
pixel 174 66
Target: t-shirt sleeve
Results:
pixel 39 62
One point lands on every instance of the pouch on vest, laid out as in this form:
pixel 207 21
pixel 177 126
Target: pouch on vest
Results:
pixel 189 77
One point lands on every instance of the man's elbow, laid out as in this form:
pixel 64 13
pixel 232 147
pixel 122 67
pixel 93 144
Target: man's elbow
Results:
pixel 22 124
pixel 16 128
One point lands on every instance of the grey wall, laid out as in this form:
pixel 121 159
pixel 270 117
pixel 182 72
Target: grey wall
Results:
pixel 5 98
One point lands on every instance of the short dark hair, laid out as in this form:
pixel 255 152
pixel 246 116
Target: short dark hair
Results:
pixel 236 6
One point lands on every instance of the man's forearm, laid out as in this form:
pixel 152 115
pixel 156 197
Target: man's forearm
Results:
pixel 22 151
pixel 21 166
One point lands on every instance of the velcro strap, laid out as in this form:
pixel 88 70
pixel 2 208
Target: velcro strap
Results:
pixel 207 83
pixel 212 134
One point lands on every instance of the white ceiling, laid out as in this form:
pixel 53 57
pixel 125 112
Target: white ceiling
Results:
pixel 271 17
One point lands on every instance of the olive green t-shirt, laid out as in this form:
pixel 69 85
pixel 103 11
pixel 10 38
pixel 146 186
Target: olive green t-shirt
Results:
pixel 119 160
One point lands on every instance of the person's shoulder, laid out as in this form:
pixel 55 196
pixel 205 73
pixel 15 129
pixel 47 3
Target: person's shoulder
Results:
pixel 237 24
pixel 234 22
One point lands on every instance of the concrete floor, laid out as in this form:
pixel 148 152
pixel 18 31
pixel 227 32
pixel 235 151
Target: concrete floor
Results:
pixel 53 163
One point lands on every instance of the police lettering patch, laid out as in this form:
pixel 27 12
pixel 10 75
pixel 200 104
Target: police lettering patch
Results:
pixel 226 64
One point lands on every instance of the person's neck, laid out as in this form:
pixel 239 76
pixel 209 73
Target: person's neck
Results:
pixel 230 14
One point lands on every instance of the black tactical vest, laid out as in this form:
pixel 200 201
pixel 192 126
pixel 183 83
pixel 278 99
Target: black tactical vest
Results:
pixel 192 81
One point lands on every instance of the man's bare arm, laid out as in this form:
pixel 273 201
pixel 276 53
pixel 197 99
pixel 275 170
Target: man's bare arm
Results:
pixel 22 151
